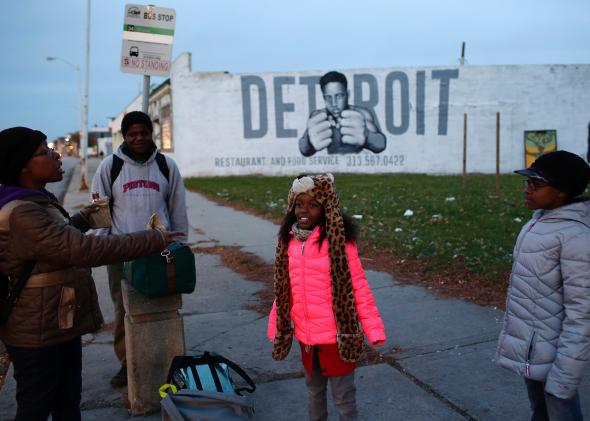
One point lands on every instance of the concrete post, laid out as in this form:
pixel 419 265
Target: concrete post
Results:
pixel 154 334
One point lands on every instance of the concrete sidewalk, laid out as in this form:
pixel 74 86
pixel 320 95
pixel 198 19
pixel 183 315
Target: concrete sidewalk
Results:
pixel 439 350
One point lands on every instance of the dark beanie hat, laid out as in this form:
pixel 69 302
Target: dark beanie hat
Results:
pixel 17 146
pixel 136 117
pixel 563 170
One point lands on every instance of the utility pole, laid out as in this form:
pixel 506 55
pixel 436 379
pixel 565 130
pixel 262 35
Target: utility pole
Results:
pixel 84 131
pixel 497 154
pixel 145 100
pixel 462 59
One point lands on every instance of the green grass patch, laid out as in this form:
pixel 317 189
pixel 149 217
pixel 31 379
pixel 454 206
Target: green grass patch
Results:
pixel 452 228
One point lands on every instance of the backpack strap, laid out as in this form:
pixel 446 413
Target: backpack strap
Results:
pixel 14 292
pixel 61 210
pixel 116 167
pixel 170 409
pixel 24 276
pixel 163 165
pixel 238 370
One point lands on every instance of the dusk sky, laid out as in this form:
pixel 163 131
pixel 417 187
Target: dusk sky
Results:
pixel 266 35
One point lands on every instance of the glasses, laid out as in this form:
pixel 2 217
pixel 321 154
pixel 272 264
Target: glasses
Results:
pixel 50 152
pixel 534 184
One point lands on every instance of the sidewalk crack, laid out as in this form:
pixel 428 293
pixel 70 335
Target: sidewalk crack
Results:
pixel 429 389
pixel 409 353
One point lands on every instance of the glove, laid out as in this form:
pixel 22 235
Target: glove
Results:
pixel 319 131
pixel 353 128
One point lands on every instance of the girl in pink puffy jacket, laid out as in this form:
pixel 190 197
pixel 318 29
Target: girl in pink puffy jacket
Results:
pixel 322 296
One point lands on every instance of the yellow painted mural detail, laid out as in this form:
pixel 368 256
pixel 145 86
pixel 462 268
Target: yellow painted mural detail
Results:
pixel 538 142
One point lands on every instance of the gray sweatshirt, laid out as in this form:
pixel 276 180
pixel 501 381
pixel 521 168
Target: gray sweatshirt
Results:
pixel 141 190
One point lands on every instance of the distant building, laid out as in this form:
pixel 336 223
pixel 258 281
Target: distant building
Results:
pixel 160 111
pixel 66 146
pixel 102 141
pixel 219 123
pixel 99 140
pixel 115 122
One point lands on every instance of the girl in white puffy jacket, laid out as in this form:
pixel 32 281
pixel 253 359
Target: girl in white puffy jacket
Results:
pixel 546 333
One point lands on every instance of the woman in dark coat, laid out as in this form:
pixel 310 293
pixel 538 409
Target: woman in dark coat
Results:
pixel 58 303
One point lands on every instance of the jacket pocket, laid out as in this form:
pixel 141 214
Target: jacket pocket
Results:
pixel 529 355
pixel 67 308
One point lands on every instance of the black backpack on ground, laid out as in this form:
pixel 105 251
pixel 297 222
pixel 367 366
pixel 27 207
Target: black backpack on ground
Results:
pixel 208 371
pixel 203 389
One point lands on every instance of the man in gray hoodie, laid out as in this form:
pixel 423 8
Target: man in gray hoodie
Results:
pixel 140 181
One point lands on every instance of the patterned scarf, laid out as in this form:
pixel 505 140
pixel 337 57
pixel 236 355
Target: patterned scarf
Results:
pixel 299 233
pixel 350 338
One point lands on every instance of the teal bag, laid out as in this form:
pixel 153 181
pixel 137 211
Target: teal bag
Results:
pixel 171 271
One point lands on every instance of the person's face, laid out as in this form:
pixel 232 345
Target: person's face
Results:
pixel 336 98
pixel 139 140
pixel 308 212
pixel 44 166
pixel 540 195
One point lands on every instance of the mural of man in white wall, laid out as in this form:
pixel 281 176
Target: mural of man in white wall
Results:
pixel 340 128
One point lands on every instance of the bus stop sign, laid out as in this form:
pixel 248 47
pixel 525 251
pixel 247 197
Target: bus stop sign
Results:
pixel 148 32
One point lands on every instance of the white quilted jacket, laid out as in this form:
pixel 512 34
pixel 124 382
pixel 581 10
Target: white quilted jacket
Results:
pixel 546 332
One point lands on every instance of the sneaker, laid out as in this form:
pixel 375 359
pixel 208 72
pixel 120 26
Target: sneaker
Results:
pixel 120 379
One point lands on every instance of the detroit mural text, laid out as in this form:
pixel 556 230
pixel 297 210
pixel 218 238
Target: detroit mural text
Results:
pixel 366 93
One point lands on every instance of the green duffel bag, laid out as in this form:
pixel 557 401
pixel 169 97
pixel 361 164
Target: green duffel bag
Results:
pixel 171 271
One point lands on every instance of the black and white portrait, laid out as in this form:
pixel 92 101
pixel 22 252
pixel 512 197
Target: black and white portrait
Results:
pixel 340 128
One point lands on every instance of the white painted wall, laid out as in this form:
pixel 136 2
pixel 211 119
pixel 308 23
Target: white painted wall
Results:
pixel 209 133
pixel 115 123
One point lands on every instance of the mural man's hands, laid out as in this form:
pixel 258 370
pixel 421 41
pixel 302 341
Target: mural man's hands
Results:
pixel 319 131
pixel 353 128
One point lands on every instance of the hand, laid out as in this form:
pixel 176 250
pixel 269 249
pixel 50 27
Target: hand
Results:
pixel 353 128
pixel 379 347
pixel 170 236
pixel 319 131
pixel 87 210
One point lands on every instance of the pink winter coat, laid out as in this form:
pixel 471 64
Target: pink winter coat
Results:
pixel 311 294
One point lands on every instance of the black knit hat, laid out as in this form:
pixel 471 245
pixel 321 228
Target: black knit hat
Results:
pixel 561 169
pixel 136 117
pixel 17 146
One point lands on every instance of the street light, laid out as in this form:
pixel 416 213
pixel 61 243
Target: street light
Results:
pixel 81 133
pixel 64 61
pixel 84 107
pixel 77 68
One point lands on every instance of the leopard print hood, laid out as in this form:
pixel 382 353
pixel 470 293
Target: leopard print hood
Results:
pixel 349 337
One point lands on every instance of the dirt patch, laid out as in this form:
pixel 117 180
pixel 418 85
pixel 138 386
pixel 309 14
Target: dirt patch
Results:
pixel 251 267
pixel 461 284
pixel 372 356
